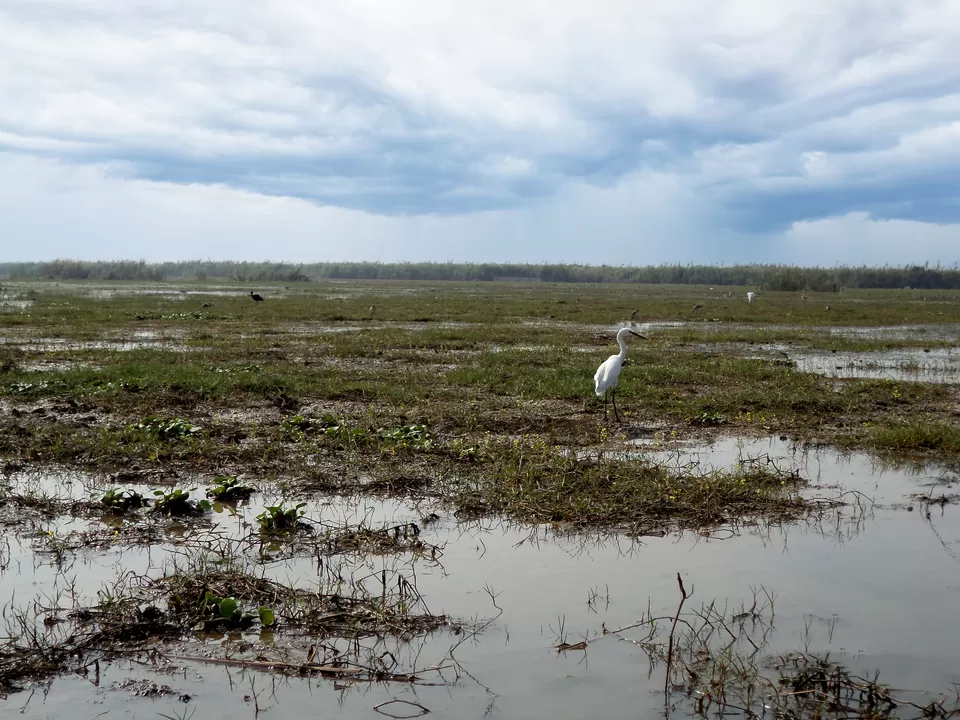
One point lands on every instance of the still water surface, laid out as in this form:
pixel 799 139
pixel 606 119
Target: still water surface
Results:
pixel 878 588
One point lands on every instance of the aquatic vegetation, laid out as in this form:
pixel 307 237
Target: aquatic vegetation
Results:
pixel 122 499
pixel 179 502
pixel 228 489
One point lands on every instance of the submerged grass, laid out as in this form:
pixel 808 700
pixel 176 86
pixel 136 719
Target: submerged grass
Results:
pixel 530 480
pixel 333 608
pixel 718 662
pixel 219 590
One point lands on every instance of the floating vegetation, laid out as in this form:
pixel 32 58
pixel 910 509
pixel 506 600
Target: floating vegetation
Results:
pixel 122 499
pixel 179 502
pixel 230 490
pixel 278 519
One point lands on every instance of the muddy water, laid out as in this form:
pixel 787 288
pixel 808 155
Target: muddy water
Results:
pixel 879 589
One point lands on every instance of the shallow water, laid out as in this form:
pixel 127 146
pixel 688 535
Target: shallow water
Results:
pixel 172 293
pixel 13 305
pixel 933 332
pixel 134 340
pixel 941 332
pixel 852 585
pixel 937 365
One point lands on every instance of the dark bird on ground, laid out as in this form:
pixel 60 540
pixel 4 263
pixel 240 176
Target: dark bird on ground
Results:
pixel 256 296
pixel 633 315
pixel 206 305
pixel 697 307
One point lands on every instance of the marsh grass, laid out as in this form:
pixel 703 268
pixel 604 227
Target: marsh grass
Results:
pixel 337 607
pixel 917 437
pixel 220 587
pixel 10 359
pixel 309 387
pixel 718 661
pixel 534 482
pixel 474 398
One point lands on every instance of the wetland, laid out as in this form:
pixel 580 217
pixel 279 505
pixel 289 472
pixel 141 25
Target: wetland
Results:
pixel 395 499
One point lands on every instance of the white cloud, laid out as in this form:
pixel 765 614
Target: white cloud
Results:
pixel 858 239
pixel 52 209
pixel 734 116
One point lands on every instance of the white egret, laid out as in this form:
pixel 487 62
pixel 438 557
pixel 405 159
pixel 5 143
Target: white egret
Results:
pixel 751 296
pixel 608 373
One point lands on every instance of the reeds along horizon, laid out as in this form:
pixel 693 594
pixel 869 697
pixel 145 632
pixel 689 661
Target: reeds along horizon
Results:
pixel 764 277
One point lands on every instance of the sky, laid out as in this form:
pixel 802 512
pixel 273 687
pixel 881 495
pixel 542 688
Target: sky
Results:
pixel 819 132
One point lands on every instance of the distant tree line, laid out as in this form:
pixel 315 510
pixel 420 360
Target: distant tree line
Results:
pixel 764 277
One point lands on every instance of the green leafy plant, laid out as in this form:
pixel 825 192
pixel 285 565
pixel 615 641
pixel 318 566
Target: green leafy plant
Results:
pixel 122 499
pixel 462 451
pixel 229 489
pixel 179 502
pixel 298 427
pixel 232 370
pixel 280 519
pixel 412 436
pixel 167 430
pixel 224 612
pixel 267 616
pixel 708 418
pixel 24 388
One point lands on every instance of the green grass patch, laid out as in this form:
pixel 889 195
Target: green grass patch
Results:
pixel 917 437
pixel 531 481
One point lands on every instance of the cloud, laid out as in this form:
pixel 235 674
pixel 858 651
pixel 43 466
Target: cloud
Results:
pixel 53 209
pixel 755 117
pixel 858 239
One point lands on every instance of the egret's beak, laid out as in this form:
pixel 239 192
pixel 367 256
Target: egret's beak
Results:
pixel 638 335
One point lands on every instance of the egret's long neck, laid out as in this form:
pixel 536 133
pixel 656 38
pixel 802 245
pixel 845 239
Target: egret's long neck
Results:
pixel 622 341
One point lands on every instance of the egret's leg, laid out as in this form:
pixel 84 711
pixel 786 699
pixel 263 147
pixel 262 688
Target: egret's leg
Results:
pixel 613 397
pixel 605 404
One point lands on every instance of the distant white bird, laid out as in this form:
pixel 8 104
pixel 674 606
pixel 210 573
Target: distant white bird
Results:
pixel 607 375
pixel 751 296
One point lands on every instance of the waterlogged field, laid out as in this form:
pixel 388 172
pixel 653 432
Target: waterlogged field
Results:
pixel 400 499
